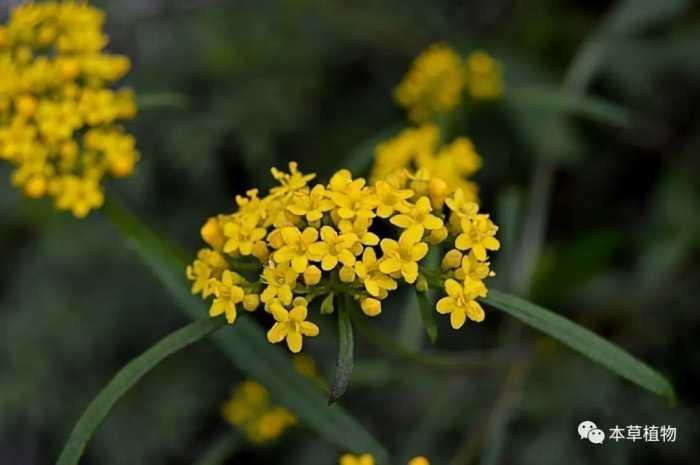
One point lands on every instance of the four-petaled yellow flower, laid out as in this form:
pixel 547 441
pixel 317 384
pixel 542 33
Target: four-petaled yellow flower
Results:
pixel 402 257
pixel 477 235
pixel 460 303
pixel 334 248
pixel 227 294
pixel 297 249
pixel 280 280
pixel 241 236
pixel 376 283
pixel 419 214
pixel 390 199
pixel 289 182
pixel 311 205
pixel 291 324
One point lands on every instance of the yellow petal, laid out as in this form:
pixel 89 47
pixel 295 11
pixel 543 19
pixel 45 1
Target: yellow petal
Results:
pixel 476 312
pixel 277 333
pixel 453 288
pixel 299 263
pixel 445 305
pixel 457 318
pixel 309 329
pixel 294 341
pixel 402 221
pixel 329 262
pixel 419 251
pixel 389 265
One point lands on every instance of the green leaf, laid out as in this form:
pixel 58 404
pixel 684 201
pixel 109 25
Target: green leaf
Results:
pixel 245 344
pixel 127 377
pixel 346 350
pixel 560 101
pixel 584 341
pixel 427 313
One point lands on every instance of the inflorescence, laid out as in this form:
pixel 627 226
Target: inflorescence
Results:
pixel 59 120
pixel 439 77
pixel 302 242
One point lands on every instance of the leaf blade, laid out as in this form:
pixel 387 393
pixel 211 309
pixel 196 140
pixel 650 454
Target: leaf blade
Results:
pixel 583 341
pixel 125 379
pixel 427 313
pixel 346 350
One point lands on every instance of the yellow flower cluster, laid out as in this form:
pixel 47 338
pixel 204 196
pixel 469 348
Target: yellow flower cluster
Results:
pixel 438 77
pixel 251 410
pixel 367 459
pixel 58 119
pixel 301 242
pixel 417 149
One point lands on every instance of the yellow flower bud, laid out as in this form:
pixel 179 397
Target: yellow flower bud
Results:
pixel 371 307
pixel 347 274
pixel 122 164
pixel 212 233
pixel 437 190
pixel 312 275
pixel 260 251
pixel 437 235
pixel 251 302
pixel 452 259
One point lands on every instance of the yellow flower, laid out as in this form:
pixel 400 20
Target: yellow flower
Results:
pixel 391 199
pixel 418 461
pixel 209 264
pixel 403 256
pixel 297 249
pixel 360 228
pixel 460 303
pixel 242 235
pixel 291 325
pixel 418 215
pixel 280 280
pixel 452 259
pixel 349 459
pixel 433 85
pixel 212 234
pixel 311 205
pixel 484 79
pixel 334 248
pixel 227 295
pixel 376 283
pixel 353 199
pixel 289 182
pixel 312 275
pixel 78 195
pixel 473 269
pixel 477 235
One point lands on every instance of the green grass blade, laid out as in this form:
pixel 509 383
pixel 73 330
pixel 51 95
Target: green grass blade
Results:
pixel 583 341
pixel 246 346
pixel 346 350
pixel 427 313
pixel 127 377
pixel 222 449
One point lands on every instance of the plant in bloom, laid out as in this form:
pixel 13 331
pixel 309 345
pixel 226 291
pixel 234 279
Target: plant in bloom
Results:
pixel 59 119
pixel 250 409
pixel 303 242
pixel 367 459
pixel 439 76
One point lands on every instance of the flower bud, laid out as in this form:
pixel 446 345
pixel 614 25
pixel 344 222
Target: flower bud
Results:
pixel 452 259
pixel 371 307
pixel 251 302
pixel 437 235
pixel 421 284
pixel 347 274
pixel 327 305
pixel 312 275
pixel 260 251
pixel 437 190
pixel 212 234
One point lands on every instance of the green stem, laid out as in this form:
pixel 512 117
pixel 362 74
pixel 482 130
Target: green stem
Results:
pixel 222 449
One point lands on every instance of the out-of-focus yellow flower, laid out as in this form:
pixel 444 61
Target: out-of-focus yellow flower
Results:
pixel 59 120
pixel 433 85
pixel 483 76
pixel 367 459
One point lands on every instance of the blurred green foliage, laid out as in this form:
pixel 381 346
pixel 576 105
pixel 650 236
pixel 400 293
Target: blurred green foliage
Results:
pixel 258 83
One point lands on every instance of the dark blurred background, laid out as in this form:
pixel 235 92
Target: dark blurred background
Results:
pixel 245 85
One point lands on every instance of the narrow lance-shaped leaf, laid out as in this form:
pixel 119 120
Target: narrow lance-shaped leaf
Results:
pixel 245 344
pixel 346 349
pixel 127 377
pixel 584 341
